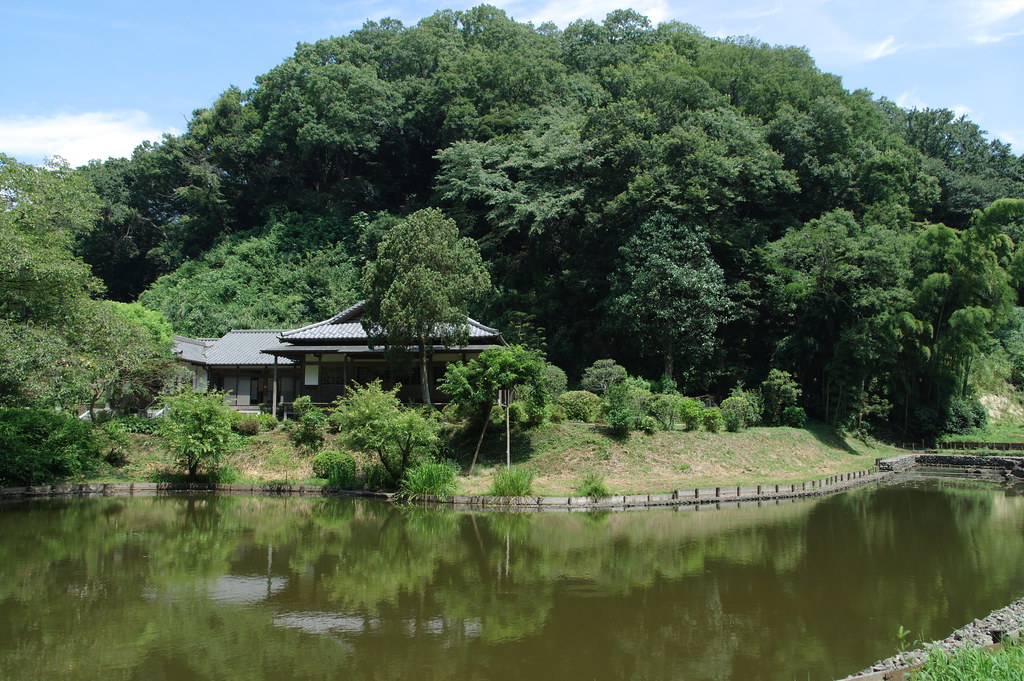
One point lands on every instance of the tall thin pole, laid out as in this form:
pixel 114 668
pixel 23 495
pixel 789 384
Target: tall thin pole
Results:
pixel 508 433
pixel 273 399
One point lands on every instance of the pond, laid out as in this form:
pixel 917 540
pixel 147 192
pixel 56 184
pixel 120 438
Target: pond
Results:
pixel 204 587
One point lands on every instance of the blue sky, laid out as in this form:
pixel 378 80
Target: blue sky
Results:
pixel 94 78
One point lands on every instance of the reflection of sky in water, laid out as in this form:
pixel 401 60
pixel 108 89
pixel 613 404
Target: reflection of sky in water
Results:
pixel 238 589
pixel 341 623
pixel 231 589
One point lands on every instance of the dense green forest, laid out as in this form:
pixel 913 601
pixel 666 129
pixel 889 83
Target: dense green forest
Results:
pixel 702 207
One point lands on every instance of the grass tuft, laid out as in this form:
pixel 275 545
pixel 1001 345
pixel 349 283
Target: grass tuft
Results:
pixel 430 478
pixel 512 482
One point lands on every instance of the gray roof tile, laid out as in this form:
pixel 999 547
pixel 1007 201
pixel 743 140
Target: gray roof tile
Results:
pixel 235 348
pixel 345 326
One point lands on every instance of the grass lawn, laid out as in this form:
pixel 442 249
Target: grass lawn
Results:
pixel 1006 664
pixel 559 456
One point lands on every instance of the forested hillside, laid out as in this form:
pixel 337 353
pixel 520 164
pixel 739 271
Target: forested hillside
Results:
pixel 711 208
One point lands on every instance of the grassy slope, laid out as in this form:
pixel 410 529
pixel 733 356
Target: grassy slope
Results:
pixel 559 455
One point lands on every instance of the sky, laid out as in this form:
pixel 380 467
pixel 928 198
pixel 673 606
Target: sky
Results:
pixel 91 79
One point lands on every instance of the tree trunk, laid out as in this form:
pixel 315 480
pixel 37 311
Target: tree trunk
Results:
pixel 424 384
pixel 483 431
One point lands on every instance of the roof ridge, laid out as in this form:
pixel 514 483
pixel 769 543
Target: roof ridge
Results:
pixel 333 320
pixel 204 342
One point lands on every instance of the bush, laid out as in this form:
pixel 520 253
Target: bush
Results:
pixel 301 405
pixel 526 415
pixel 268 421
pixel 555 380
pixel 795 417
pixel 737 413
pixel 39 446
pixel 310 429
pixel 689 412
pixel 592 485
pixel 373 420
pixel 556 413
pixel 339 468
pixel 512 482
pixel 778 391
pixel 602 375
pixel 377 478
pixel 580 405
pixel 963 416
pixel 437 478
pixel 665 408
pixel 249 425
pixel 197 428
pixel 114 442
pixel 130 423
pixel 712 420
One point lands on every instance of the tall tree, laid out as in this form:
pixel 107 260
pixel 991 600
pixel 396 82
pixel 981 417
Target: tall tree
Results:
pixel 419 287
pixel 669 293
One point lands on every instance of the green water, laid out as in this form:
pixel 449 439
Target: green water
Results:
pixel 202 587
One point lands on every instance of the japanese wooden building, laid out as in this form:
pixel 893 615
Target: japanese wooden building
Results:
pixel 263 367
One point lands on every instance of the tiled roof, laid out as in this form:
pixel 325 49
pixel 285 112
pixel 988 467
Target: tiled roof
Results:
pixel 192 349
pixel 235 348
pixel 345 326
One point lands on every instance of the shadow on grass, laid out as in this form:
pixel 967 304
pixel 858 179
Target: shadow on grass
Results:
pixel 828 436
pixel 461 443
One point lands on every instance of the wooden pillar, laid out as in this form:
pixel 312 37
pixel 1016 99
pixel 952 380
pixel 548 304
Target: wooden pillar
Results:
pixel 273 399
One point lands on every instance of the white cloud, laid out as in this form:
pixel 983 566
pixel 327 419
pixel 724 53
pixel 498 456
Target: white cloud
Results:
pixel 882 49
pixel 1015 138
pixel 909 100
pixel 991 20
pixel 995 11
pixel 78 138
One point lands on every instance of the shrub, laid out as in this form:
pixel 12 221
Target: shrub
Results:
pixel 301 405
pixel 737 413
pixel 795 417
pixel 437 478
pixel 580 405
pixel 114 442
pixel 648 424
pixel 310 429
pixel 196 428
pixel 592 485
pixel 249 425
pixel 711 419
pixel 556 413
pixel 689 412
pixel 602 375
pixel 778 391
pixel 377 477
pixel 339 468
pixel 374 420
pixel 555 380
pixel 525 415
pixel 267 421
pixel 963 416
pixel 39 446
pixel 665 408
pixel 512 482
pixel 130 423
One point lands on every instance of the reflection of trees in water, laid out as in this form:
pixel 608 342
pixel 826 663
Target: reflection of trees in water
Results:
pixel 437 594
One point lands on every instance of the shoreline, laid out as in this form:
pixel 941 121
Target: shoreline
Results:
pixel 691 497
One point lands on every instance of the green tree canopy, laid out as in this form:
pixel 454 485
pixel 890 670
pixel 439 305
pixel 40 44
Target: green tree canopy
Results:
pixel 418 288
